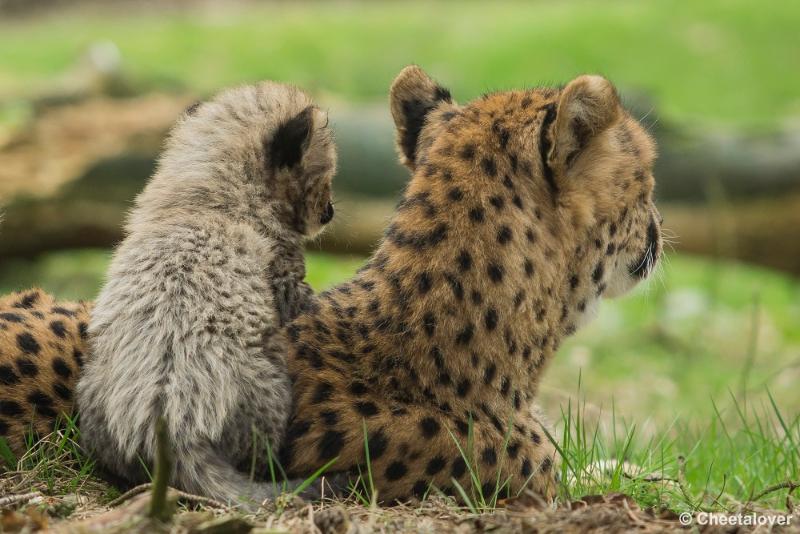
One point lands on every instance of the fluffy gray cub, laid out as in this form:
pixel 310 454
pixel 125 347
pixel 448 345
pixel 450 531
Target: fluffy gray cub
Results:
pixel 188 325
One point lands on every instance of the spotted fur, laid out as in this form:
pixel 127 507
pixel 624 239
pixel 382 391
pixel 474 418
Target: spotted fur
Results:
pixel 524 209
pixel 43 347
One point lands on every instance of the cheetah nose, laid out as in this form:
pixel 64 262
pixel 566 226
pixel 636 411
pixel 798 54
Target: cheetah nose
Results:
pixel 328 215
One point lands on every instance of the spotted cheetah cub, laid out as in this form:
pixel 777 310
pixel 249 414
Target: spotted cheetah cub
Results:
pixel 188 325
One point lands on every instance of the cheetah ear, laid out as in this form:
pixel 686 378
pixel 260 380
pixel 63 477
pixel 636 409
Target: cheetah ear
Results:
pixel 191 109
pixel 588 105
pixel 291 140
pixel 412 97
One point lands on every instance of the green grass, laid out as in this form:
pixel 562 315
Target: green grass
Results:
pixel 727 61
pixel 688 386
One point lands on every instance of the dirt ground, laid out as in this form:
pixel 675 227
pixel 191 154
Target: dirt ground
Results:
pixel 34 512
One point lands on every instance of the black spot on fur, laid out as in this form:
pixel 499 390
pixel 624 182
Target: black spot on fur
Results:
pixel 26 367
pixel 467 152
pixel 505 386
pixel 27 301
pixel 597 274
pixel 7 376
pixel 464 261
pixel 504 235
pixel 476 297
pixel 435 465
pixel 462 390
pixel 10 408
pixel 497 201
pixel 366 408
pixel 322 393
pixel 42 402
pixel 489 456
pixel 61 368
pixel 83 330
pixel 528 268
pixel 490 319
pixel 58 329
pixel 465 335
pixel 573 281
pixel 294 333
pixel 377 443
pixel 11 317
pixel 458 468
pixel 476 214
pixel 424 282
pixel 419 488
pixel 396 470
pixel 330 445
pixel 358 388
pixel 429 427
pixel 27 343
pixel 489 166
pixel 495 273
pixel 438 359
pixel 62 391
pixel 455 285
pixel 455 194
pixel 526 469
pixel 429 323
pixel 462 427
pixel 547 464
pixel 297 429
pixel 489 373
pixel 330 417
pixel 78 357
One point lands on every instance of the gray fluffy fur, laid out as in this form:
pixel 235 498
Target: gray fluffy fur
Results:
pixel 188 324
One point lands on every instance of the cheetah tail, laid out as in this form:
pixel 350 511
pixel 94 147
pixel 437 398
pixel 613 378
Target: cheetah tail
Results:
pixel 204 471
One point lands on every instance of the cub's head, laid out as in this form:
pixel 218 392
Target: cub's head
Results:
pixel 265 148
pixel 558 176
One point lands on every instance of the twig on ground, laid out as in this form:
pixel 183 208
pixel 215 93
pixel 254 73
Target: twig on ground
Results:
pixel 181 496
pixel 18 499
pixel 789 484
pixel 130 493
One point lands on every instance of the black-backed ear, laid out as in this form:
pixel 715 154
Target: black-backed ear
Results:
pixel 292 139
pixel 191 109
pixel 412 96
pixel 588 105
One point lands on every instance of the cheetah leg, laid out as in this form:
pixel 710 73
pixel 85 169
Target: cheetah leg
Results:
pixel 413 448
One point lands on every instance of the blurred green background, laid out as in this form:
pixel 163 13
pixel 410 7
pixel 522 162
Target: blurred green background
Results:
pixel 88 90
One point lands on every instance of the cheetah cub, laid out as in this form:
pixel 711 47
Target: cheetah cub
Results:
pixel 189 323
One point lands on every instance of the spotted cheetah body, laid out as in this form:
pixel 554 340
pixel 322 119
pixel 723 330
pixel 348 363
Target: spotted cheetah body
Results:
pixel 524 210
pixel 43 347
